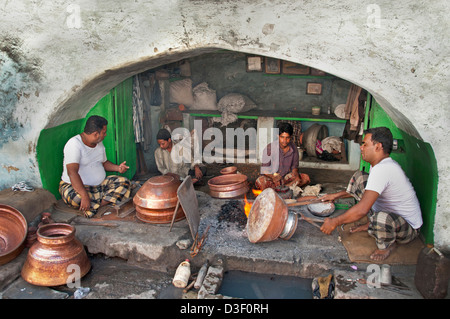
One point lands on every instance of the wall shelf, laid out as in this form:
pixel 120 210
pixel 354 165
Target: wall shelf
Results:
pixel 277 115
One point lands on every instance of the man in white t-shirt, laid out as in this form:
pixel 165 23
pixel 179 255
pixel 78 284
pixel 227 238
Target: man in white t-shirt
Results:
pixel 385 195
pixel 84 184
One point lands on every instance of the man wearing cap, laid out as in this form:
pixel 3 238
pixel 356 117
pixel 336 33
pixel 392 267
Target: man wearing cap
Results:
pixel 167 165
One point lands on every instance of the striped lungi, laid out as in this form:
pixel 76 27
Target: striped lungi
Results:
pixel 113 189
pixel 385 227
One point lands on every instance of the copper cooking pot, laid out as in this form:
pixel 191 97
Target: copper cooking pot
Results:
pixel 230 194
pixel 159 216
pixel 270 219
pixel 228 186
pixel 54 257
pixel 13 233
pixel 158 192
pixel 228 170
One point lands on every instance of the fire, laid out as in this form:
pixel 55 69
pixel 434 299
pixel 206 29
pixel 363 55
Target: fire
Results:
pixel 247 206
pixel 256 192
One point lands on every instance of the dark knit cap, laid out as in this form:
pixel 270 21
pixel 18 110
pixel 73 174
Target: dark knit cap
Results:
pixel 163 134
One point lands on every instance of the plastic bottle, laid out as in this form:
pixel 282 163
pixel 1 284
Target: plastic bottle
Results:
pixel 181 278
pixel 201 275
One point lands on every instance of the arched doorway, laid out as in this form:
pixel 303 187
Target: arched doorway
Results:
pixel 273 91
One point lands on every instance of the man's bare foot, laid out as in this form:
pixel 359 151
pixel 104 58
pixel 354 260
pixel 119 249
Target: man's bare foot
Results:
pixel 382 254
pixel 358 228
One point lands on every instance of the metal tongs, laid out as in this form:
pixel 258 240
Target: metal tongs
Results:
pixel 312 221
pixel 198 244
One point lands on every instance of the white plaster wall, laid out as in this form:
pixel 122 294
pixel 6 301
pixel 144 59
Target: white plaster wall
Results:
pixel 65 55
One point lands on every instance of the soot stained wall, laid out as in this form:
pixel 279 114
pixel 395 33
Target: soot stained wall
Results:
pixel 225 72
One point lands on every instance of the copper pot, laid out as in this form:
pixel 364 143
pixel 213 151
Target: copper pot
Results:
pixel 228 170
pixel 159 216
pixel 228 186
pixel 54 257
pixel 231 193
pixel 269 218
pixel 158 192
pixel 13 232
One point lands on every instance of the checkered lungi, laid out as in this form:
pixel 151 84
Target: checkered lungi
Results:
pixel 114 188
pixel 385 227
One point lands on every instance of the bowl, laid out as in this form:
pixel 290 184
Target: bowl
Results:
pixel 13 233
pixel 321 209
pixel 228 170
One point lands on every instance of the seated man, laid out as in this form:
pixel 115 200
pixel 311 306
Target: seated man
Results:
pixel 166 165
pixel 84 184
pixel 280 162
pixel 385 195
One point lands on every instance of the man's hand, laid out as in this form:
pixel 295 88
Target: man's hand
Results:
pixel 329 224
pixel 198 172
pixel 277 179
pixel 123 168
pixel 85 203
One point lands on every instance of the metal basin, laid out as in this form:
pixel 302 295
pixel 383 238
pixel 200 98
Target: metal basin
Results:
pixel 228 170
pixel 159 216
pixel 231 193
pixel 158 192
pixel 268 217
pixel 13 233
pixel 228 186
pixel 321 209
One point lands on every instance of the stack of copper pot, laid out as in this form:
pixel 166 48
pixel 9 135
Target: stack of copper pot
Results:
pixel 156 201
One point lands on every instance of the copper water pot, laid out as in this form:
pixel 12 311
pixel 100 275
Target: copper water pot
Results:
pixel 56 256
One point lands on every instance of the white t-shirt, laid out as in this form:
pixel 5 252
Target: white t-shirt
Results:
pixel 397 194
pixel 90 159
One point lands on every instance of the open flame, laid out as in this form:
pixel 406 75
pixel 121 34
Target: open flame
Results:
pixel 256 192
pixel 247 206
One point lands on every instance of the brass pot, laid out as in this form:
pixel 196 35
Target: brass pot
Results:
pixel 55 257
pixel 13 232
pixel 158 192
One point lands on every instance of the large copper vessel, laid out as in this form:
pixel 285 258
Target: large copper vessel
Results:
pixel 13 233
pixel 157 199
pixel 56 256
pixel 228 186
pixel 270 219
